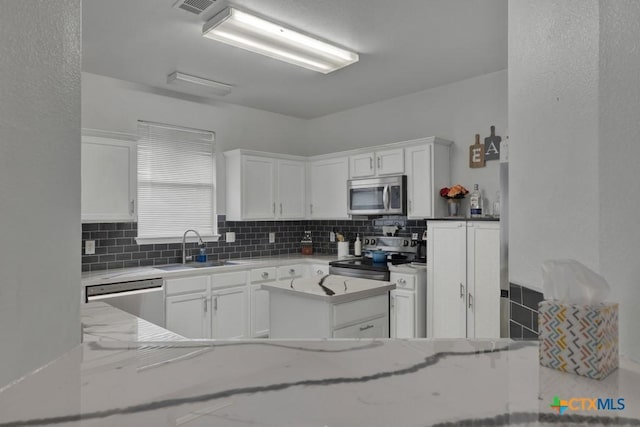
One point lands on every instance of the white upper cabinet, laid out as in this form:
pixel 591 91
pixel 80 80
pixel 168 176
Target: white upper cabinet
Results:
pixel 378 163
pixel 428 170
pixel 108 178
pixel 328 188
pixel 291 189
pixel 263 187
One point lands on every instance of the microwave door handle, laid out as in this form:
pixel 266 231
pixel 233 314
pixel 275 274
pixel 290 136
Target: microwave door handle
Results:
pixel 385 197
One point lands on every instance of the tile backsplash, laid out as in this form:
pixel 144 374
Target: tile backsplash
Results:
pixel 523 312
pixel 116 245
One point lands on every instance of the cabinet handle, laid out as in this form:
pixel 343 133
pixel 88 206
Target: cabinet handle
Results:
pixel 470 298
pixel 401 281
pixel 292 271
pixel 461 290
pixel 379 162
pixel 311 208
pixel 364 328
pixel 410 206
pixel 280 208
pixel 371 163
pixel 132 207
pixel 265 274
pixel 393 303
pixel 215 303
pixel 204 302
pixel 274 208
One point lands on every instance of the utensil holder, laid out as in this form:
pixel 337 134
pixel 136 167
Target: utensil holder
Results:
pixel 343 249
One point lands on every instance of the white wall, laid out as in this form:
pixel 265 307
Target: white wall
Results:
pixel 619 158
pixel 456 112
pixel 39 183
pixel 553 127
pixel 574 103
pixel 116 105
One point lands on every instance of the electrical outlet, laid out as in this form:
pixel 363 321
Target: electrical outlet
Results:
pixel 89 247
pixel 332 236
pixel 414 236
pixel 230 236
pixel 272 237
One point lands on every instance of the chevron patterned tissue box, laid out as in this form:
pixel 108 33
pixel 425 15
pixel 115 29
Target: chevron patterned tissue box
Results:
pixel 582 339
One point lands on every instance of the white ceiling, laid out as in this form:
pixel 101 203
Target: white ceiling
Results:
pixel 405 46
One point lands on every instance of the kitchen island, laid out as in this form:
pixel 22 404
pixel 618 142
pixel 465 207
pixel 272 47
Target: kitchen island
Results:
pixel 310 383
pixel 329 307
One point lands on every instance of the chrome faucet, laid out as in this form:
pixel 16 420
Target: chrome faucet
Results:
pixel 184 241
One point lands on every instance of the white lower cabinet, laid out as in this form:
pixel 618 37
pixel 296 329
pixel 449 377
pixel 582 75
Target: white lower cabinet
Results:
pixel 407 305
pixel 229 315
pixel 186 306
pixel 259 302
pixel 464 279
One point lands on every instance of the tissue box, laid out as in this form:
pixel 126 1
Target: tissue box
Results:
pixel 582 339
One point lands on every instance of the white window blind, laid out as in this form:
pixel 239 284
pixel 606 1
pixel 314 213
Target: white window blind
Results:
pixel 176 182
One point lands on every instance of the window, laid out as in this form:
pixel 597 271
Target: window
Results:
pixel 176 183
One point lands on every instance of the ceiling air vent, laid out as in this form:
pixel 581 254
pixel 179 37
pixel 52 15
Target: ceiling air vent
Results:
pixel 194 6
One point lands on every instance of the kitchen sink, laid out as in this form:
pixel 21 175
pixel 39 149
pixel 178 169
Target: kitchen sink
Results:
pixel 188 266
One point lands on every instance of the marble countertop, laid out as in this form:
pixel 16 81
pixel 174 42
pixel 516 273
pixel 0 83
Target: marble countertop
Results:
pixel 140 273
pixel 345 288
pixel 102 322
pixel 310 383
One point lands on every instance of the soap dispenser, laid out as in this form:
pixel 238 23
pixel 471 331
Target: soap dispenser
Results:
pixel 202 256
pixel 357 246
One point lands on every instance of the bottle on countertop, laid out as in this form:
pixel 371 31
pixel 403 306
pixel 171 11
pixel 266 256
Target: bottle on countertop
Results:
pixel 496 205
pixel 357 246
pixel 202 256
pixel 475 202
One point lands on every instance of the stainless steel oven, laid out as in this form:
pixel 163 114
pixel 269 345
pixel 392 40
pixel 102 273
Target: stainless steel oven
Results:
pixel 377 196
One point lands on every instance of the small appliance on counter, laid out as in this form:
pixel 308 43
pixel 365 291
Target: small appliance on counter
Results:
pixel 306 244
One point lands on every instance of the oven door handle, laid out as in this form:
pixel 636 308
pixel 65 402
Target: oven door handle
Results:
pixel 385 197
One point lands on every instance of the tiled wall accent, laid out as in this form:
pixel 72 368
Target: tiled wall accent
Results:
pixel 523 312
pixel 116 246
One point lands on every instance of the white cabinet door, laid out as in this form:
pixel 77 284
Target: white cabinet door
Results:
pixel 259 311
pixel 258 192
pixel 229 313
pixel 390 162
pixel 188 315
pixel 362 165
pixel 291 189
pixel 328 185
pixel 446 301
pixel 419 184
pixel 402 314
pixel 483 279
pixel 108 179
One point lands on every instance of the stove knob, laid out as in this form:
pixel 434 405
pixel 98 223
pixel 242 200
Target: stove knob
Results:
pixel 414 243
pixel 366 241
pixel 405 243
pixel 373 241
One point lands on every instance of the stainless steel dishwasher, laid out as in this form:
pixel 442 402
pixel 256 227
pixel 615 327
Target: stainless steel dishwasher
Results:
pixel 142 298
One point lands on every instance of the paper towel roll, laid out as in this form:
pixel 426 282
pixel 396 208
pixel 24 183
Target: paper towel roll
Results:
pixel 343 249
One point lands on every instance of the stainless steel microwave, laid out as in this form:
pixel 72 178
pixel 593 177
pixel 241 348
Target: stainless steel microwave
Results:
pixel 377 196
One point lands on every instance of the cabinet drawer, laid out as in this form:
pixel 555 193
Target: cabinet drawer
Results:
pixel 319 270
pixel 263 274
pixel 186 284
pixel 290 271
pixel 355 311
pixel 403 281
pixel 375 328
pixel 222 280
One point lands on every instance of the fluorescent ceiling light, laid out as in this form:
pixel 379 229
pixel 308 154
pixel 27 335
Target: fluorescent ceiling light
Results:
pixel 199 84
pixel 246 31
